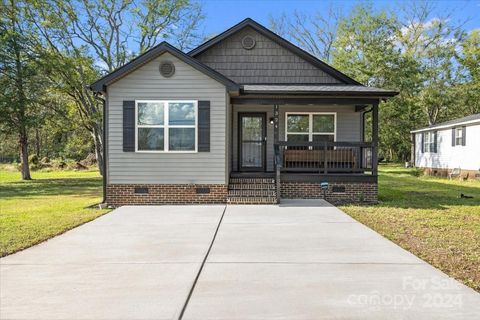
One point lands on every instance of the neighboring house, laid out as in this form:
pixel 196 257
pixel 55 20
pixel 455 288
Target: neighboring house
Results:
pixel 246 117
pixel 449 146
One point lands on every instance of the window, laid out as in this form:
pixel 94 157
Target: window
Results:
pixel 429 142
pixel 458 136
pixel 166 126
pixel 310 127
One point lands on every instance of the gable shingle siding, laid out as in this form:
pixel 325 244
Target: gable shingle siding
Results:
pixel 267 62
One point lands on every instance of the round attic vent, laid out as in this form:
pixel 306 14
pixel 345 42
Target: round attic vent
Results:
pixel 248 42
pixel 167 69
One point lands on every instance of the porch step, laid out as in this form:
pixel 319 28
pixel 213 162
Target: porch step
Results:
pixel 251 186
pixel 252 190
pixel 252 180
pixel 251 200
pixel 251 193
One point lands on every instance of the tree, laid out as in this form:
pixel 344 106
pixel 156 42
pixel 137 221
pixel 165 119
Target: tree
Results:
pixel 82 39
pixel 432 41
pixel 468 92
pixel 22 85
pixel 315 33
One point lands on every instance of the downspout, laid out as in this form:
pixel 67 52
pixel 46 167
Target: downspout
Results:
pixel 363 122
pixel 104 145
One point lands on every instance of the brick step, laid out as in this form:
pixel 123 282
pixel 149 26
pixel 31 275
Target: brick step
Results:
pixel 252 200
pixel 252 186
pixel 252 193
pixel 251 181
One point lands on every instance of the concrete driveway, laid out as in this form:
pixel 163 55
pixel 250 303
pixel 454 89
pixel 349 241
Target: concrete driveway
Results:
pixel 300 260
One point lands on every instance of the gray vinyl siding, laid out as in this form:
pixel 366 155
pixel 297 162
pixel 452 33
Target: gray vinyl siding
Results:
pixel 167 168
pixel 267 62
pixel 349 125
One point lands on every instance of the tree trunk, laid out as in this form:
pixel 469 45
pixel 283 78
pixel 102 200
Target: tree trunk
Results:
pixel 23 143
pixel 98 141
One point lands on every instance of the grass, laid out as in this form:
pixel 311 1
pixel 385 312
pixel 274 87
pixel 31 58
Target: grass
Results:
pixel 422 214
pixel 426 216
pixel 52 203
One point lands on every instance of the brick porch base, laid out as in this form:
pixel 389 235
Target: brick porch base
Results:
pixel 354 192
pixel 136 194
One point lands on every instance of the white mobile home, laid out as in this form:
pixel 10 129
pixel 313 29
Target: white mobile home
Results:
pixel 449 146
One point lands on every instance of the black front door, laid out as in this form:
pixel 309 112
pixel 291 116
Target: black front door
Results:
pixel 252 141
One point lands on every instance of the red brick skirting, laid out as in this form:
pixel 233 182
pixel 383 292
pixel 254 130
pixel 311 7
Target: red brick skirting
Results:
pixel 124 194
pixel 355 192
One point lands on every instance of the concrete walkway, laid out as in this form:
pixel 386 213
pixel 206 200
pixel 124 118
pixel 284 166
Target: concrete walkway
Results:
pixel 300 260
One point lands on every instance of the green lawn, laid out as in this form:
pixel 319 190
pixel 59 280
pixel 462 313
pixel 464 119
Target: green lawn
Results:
pixel 426 216
pixel 33 211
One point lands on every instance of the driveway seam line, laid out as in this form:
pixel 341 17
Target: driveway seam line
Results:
pixel 184 308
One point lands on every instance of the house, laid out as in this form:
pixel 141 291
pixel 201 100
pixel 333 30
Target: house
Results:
pixel 246 117
pixel 449 146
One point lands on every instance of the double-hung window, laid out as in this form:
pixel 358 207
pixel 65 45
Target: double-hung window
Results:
pixel 166 126
pixel 310 127
pixel 429 141
pixel 458 136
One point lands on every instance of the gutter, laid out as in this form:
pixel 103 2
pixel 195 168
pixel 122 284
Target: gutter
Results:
pixel 446 126
pixel 363 122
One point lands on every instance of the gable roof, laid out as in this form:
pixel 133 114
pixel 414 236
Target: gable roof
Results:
pixel 474 118
pixel 279 40
pixel 100 85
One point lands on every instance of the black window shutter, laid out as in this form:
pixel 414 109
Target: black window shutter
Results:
pixel 453 137
pixel 435 142
pixel 464 136
pixel 203 126
pixel 129 126
pixel 423 140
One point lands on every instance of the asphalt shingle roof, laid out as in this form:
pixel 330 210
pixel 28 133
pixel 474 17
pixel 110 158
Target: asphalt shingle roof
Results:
pixel 321 89
pixel 453 122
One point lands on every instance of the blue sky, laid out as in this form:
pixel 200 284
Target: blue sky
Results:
pixel 222 14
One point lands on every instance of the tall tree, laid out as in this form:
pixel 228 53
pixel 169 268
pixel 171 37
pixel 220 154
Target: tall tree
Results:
pixel 432 39
pixel 469 59
pixel 86 38
pixel 22 85
pixel 315 33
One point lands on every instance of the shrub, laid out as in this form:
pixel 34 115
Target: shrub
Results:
pixel 45 160
pixel 417 172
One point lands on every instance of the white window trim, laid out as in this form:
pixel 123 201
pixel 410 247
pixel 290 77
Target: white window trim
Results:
pixel 310 125
pixel 166 126
pixel 430 143
pixel 458 136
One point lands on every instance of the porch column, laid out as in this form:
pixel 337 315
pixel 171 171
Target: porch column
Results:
pixel 375 138
pixel 276 150
pixel 276 123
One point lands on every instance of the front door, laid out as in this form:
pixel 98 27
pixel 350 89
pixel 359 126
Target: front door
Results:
pixel 252 141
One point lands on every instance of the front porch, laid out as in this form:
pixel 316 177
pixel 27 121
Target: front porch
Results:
pixel 301 142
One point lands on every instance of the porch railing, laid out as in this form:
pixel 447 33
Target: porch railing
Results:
pixel 324 157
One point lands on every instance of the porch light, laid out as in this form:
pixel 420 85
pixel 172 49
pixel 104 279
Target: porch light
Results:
pixel 271 120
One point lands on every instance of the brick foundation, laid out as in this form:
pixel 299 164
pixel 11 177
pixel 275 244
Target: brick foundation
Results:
pixel 124 194
pixel 355 192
